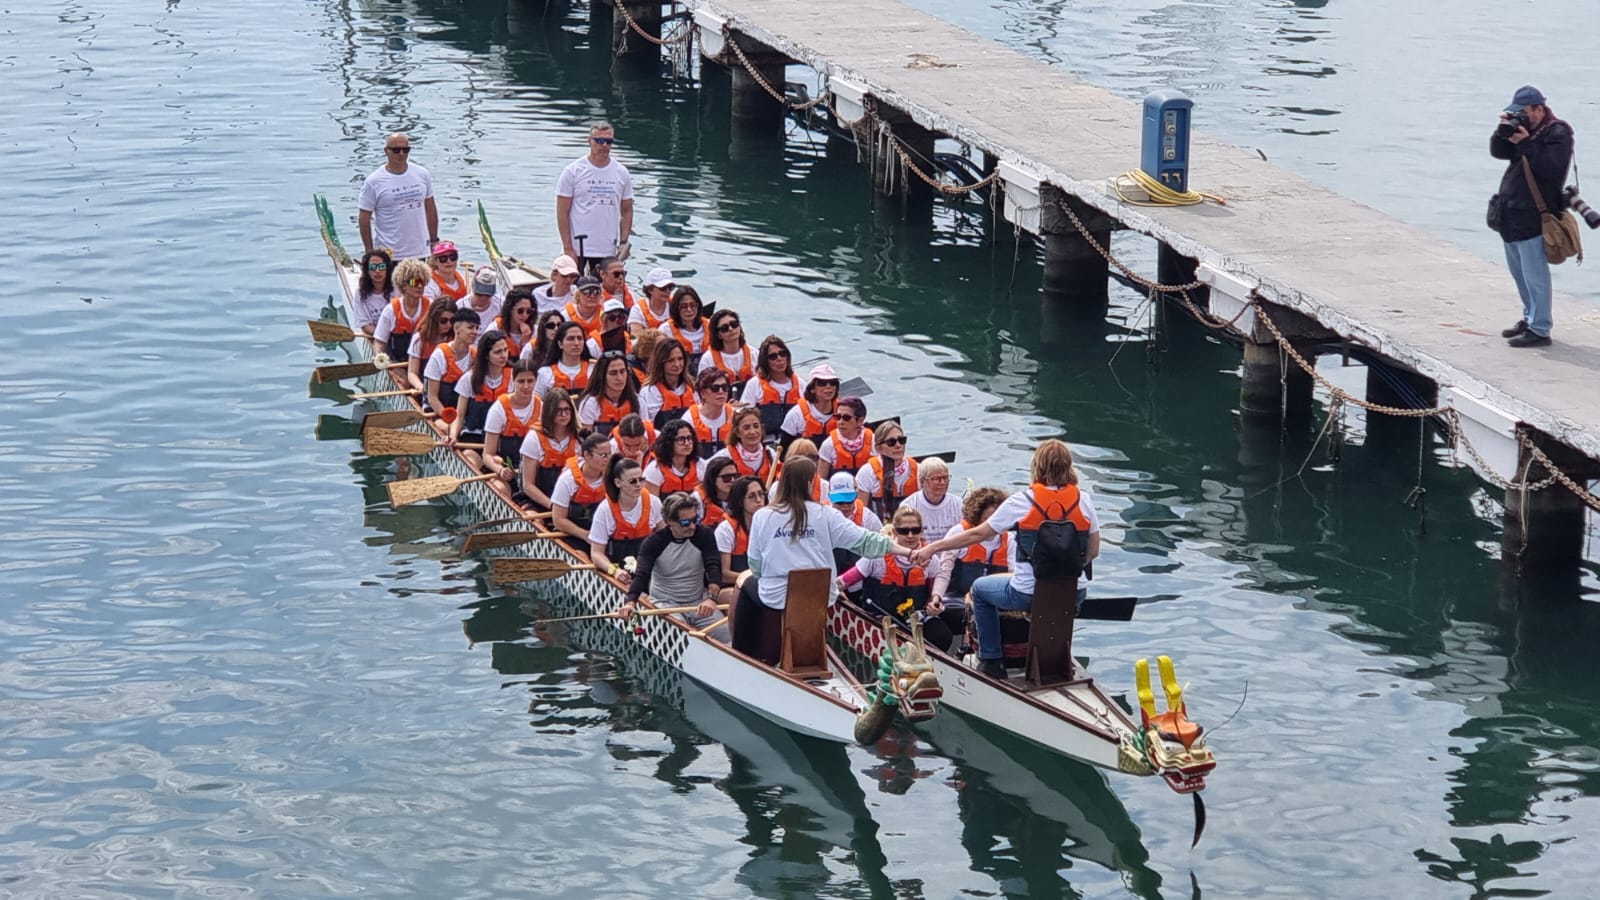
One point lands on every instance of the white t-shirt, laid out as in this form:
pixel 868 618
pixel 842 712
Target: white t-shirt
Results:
pixel 830 453
pixel 567 486
pixel 724 535
pixel 589 411
pixel 487 316
pixel 496 422
pixel 715 425
pixel 436 366
pixel 653 471
pixel 597 194
pixel 751 461
pixel 464 385
pixel 1015 507
pixel 794 422
pixel 386 322
pixel 772 551
pixel 544 302
pixel 533 449
pixel 369 307
pixel 397 204
pixel 695 337
pixel 601 528
pixel 734 362
pixel 752 391
pixel 867 482
pixel 546 379
pixel 636 315
pixel 936 520
pixel 433 292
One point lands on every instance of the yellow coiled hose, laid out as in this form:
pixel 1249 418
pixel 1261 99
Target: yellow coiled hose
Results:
pixel 1156 193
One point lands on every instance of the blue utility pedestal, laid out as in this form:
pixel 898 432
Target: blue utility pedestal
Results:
pixel 1165 155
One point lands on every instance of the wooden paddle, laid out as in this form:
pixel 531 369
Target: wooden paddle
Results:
pixel 657 611
pixel 369 395
pixel 326 374
pixel 392 442
pixel 514 569
pixel 948 456
pixel 398 418
pixel 1100 609
pixel 331 332
pixel 494 540
pixel 416 490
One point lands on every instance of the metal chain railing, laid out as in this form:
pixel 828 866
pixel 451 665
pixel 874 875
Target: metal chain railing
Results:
pixel 738 52
pixel 680 37
pixel 906 162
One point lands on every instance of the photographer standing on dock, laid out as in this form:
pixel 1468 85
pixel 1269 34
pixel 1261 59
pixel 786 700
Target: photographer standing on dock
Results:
pixel 1539 148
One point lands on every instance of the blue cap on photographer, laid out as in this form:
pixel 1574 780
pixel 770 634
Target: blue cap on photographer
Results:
pixel 1526 96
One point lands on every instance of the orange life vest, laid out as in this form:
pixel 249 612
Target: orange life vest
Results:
pixel 672 482
pixel 573 384
pixel 647 440
pixel 612 413
pixel 703 433
pixel 622 529
pixel 814 427
pixel 404 324
pixel 846 460
pixel 1060 504
pixel 454 293
pixel 553 457
pixel 684 340
pixel 487 394
pixel 587 494
pixel 514 348
pixel 682 398
pixel 744 370
pixel 596 335
pixel 886 486
pixel 999 559
pixel 590 324
pixel 515 427
pixel 452 369
pixel 651 320
pixel 770 395
pixel 626 298
pixel 714 511
pixel 857 511
pixel 762 472
pixel 741 539
pixel 894 574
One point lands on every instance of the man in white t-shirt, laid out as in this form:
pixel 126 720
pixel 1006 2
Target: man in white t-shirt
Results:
pixel 594 202
pixel 397 209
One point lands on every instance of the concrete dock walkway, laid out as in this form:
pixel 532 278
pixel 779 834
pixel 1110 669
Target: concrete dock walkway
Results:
pixel 1418 300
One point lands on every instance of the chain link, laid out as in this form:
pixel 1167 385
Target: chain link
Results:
pixel 898 146
pixel 679 38
pixel 738 52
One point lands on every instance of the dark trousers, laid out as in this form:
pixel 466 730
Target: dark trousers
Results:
pixel 757 627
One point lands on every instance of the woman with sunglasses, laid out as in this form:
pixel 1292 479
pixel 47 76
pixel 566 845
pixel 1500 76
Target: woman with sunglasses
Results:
pixel 709 417
pixel 848 445
pixel 883 494
pixel 795 532
pixel 581 488
pixel 584 307
pixel 547 451
pixel 448 362
pixel 438 327
pixel 511 419
pixel 568 366
pixel 667 392
pixel 733 533
pixel 810 417
pixel 623 521
pixel 678 565
pixel 611 335
pixel 751 458
pixel 374 290
pixel 486 382
pixel 904 590
pixel 774 389
pixel 687 325
pixel 729 352
pixel 544 337
pixel 400 320
pixel 446 278
pixel 842 495
pixel 657 306
pixel 609 395
pixel 516 320
pixel 716 484
pixel 673 467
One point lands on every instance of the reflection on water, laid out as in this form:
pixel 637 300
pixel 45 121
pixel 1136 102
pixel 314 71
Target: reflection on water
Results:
pixel 229 667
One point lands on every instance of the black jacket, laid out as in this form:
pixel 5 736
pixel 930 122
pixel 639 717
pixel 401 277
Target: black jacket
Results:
pixel 1512 211
pixel 650 551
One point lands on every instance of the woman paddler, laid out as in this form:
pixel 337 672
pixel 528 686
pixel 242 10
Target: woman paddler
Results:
pixel 438 326
pixel 484 299
pixel 904 590
pixel 716 483
pixel 511 419
pixel 687 325
pixel 609 396
pixel 400 320
pixel 1054 494
pixel 445 278
pixel 750 456
pixel 775 389
pixel 668 390
pixel 581 487
pixel 810 418
pixel 673 467
pixel 448 362
pixel 801 448
pixel 568 366
pixel 844 497
pixel 954 572
pixel 544 337
pixel 883 492
pixel 635 439
pixel 546 452
pixel 848 444
pixel 516 320
pixel 794 533
pixel 628 516
pixel 375 289
pixel 485 382
pixel 728 350
pixel 657 306
pixel 733 533
pixel 612 333
pixel 940 509
pixel 710 417
pixel 584 307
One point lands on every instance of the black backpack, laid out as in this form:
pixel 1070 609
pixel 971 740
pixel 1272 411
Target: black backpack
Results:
pixel 1057 549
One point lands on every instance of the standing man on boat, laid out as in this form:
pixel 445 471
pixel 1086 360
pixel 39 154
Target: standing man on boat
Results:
pixel 1538 148
pixel 397 209
pixel 594 199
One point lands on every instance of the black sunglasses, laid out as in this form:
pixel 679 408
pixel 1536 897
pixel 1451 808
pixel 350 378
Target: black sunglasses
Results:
pixel 726 327
pixel 826 382
pixel 717 388
pixel 688 523
pixel 776 355
pixel 448 257
pixel 908 531
pixel 897 441
pixel 398 149
pixel 605 142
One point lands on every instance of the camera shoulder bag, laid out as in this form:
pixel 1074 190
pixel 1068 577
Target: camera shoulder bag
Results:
pixel 1561 240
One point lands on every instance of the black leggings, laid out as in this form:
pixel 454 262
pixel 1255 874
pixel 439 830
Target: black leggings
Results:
pixel 757 627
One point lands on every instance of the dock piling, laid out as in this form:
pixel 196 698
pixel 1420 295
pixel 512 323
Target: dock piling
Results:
pixel 1075 269
pixel 1173 267
pixel 1272 387
pixel 1544 529
pixel 646 14
pixel 1391 386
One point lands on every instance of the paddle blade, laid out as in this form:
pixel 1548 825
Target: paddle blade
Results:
pixel 493 540
pixel 854 387
pixel 513 569
pixel 329 332
pixel 399 418
pixel 416 490
pixel 389 442
pixel 1108 609
pixel 948 456
pixel 1199 820
pixel 326 374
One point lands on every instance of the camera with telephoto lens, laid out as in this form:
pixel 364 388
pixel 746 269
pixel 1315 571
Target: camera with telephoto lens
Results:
pixel 1589 213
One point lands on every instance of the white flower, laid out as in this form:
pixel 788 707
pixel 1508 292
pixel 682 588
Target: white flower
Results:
pixel 380 358
pixel 631 564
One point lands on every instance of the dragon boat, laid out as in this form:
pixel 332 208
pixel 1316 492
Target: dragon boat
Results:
pixel 811 691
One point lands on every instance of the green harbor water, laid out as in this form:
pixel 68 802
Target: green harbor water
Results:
pixel 228 669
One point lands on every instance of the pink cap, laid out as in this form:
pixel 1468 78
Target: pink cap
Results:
pixel 821 372
pixel 444 247
pixel 565 264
